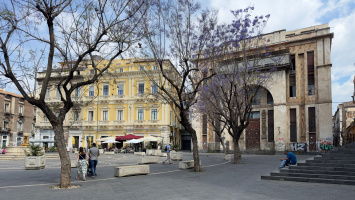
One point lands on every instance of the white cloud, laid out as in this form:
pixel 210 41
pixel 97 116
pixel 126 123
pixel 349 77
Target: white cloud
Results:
pixel 342 92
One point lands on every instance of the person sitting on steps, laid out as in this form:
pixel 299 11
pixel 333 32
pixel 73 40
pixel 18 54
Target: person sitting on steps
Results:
pixel 289 160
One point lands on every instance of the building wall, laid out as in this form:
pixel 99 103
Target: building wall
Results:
pixel 315 39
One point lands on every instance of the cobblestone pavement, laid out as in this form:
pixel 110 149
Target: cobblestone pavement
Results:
pixel 220 179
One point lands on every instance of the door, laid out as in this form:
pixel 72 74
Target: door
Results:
pixel 76 142
pixel 312 142
pixel 252 132
pixel 186 142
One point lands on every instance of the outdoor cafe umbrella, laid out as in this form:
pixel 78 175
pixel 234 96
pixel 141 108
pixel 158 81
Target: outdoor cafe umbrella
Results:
pixel 105 139
pixel 133 141
pixel 128 137
pixel 149 139
pixel 111 141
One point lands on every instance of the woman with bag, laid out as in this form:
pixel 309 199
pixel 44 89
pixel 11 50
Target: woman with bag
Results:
pixel 81 164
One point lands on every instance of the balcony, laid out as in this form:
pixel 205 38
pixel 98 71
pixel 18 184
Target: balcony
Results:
pixel 47 99
pixel 75 123
pixel 76 98
pixel 20 133
pixel 104 97
pixel 5 130
pixel 45 124
pixel 7 113
pixel 139 121
pixel 119 122
pixel 20 115
pixel 104 122
pixel 118 96
pixel 153 121
pixel 89 122
pixel 89 98
pixel 56 99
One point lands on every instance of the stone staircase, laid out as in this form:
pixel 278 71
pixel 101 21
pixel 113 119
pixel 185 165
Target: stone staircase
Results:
pixel 336 167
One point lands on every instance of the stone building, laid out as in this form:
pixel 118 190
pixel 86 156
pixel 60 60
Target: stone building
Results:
pixel 343 123
pixel 122 102
pixel 16 117
pixel 294 110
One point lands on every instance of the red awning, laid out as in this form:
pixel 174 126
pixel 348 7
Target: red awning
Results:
pixel 128 137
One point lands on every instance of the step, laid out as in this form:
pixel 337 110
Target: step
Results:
pixel 331 161
pixel 346 173
pixel 308 175
pixel 349 169
pixel 334 158
pixel 327 164
pixel 310 180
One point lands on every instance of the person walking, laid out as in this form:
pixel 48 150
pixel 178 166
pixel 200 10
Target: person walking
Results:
pixel 94 153
pixel 81 164
pixel 168 149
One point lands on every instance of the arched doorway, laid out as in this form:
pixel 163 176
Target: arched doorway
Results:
pixel 261 122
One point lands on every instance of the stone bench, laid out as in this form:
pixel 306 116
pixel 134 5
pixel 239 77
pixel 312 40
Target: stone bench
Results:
pixel 163 155
pixel 156 152
pixel 187 164
pixel 139 153
pixel 176 155
pixel 146 160
pixel 148 152
pixel 109 153
pixel 131 170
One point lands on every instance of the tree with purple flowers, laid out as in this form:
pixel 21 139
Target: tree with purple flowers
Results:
pixel 229 95
pixel 175 30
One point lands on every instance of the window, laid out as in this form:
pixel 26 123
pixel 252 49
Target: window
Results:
pixel 118 63
pixel 269 98
pixel 141 68
pixel 91 116
pixel 310 70
pixel 106 89
pixel 312 120
pixel 293 125
pixel 204 124
pixel 57 114
pixel 106 71
pixel 76 116
pixel 91 91
pixel 140 114
pixel 155 67
pixel 48 92
pixel 120 89
pixel 6 124
pixel 20 110
pixel 141 88
pixel 120 115
pixel 270 125
pixel 154 115
pixel 77 92
pixel 58 93
pixel 45 137
pixel 45 119
pixel 35 111
pixel 292 76
pixel 7 107
pixel 121 69
pixel 105 115
pixel 255 115
pixel 154 88
pixel 19 126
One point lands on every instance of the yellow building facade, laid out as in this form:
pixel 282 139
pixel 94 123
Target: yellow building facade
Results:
pixel 123 101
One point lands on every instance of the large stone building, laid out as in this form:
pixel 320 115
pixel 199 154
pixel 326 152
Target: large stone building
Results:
pixel 343 123
pixel 17 118
pixel 122 102
pixel 294 110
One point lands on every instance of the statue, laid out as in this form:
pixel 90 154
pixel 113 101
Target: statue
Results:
pixel 26 141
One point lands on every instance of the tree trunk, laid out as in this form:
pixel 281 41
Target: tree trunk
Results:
pixel 65 174
pixel 237 152
pixel 195 148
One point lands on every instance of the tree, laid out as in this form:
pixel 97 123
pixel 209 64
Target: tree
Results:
pixel 70 31
pixel 176 30
pixel 228 97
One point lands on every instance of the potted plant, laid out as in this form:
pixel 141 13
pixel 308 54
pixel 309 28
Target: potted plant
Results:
pixel 176 147
pixel 35 158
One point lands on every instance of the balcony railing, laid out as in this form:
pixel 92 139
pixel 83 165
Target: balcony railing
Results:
pixel 75 98
pixel 89 122
pixel 89 98
pixel 104 122
pixel 153 121
pixel 104 97
pixel 118 96
pixel 119 121
pixel 139 121
pixel 56 98
pixel 45 124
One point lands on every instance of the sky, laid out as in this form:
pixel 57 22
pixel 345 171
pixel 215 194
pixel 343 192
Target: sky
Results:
pixel 296 14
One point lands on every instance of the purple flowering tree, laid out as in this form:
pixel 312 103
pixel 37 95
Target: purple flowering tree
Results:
pixel 228 96
pixel 34 35
pixel 175 30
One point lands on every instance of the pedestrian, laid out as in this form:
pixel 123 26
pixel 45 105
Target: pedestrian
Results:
pixel 81 163
pixel 94 153
pixel 4 151
pixel 289 160
pixel 168 149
